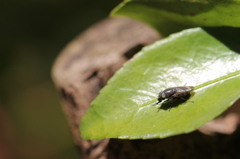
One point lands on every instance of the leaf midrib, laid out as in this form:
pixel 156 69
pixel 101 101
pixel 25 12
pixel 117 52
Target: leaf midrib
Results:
pixel 153 102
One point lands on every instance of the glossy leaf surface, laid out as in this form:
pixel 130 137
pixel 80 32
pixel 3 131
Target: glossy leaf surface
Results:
pixel 126 107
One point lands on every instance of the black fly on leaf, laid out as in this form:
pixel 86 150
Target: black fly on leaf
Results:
pixel 173 94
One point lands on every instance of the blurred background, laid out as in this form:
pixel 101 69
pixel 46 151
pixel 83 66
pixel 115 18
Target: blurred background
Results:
pixel 32 33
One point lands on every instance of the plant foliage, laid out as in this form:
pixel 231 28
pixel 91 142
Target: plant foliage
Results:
pixel 126 107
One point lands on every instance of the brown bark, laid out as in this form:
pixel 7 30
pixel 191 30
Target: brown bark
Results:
pixel 84 67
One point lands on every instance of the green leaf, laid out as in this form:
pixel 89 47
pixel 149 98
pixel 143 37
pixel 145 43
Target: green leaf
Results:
pixel 126 107
pixel 164 15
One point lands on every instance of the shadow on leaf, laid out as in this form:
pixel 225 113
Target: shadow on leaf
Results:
pixel 167 105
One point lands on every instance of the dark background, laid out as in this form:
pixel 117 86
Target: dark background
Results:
pixel 32 33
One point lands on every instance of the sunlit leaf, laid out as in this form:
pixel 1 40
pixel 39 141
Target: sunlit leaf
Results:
pixel 126 107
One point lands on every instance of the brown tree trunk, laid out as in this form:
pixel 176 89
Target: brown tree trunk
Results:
pixel 85 66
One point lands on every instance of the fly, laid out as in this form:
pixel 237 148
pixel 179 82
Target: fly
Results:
pixel 174 93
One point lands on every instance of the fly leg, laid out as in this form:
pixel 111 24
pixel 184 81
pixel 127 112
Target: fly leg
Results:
pixel 186 100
